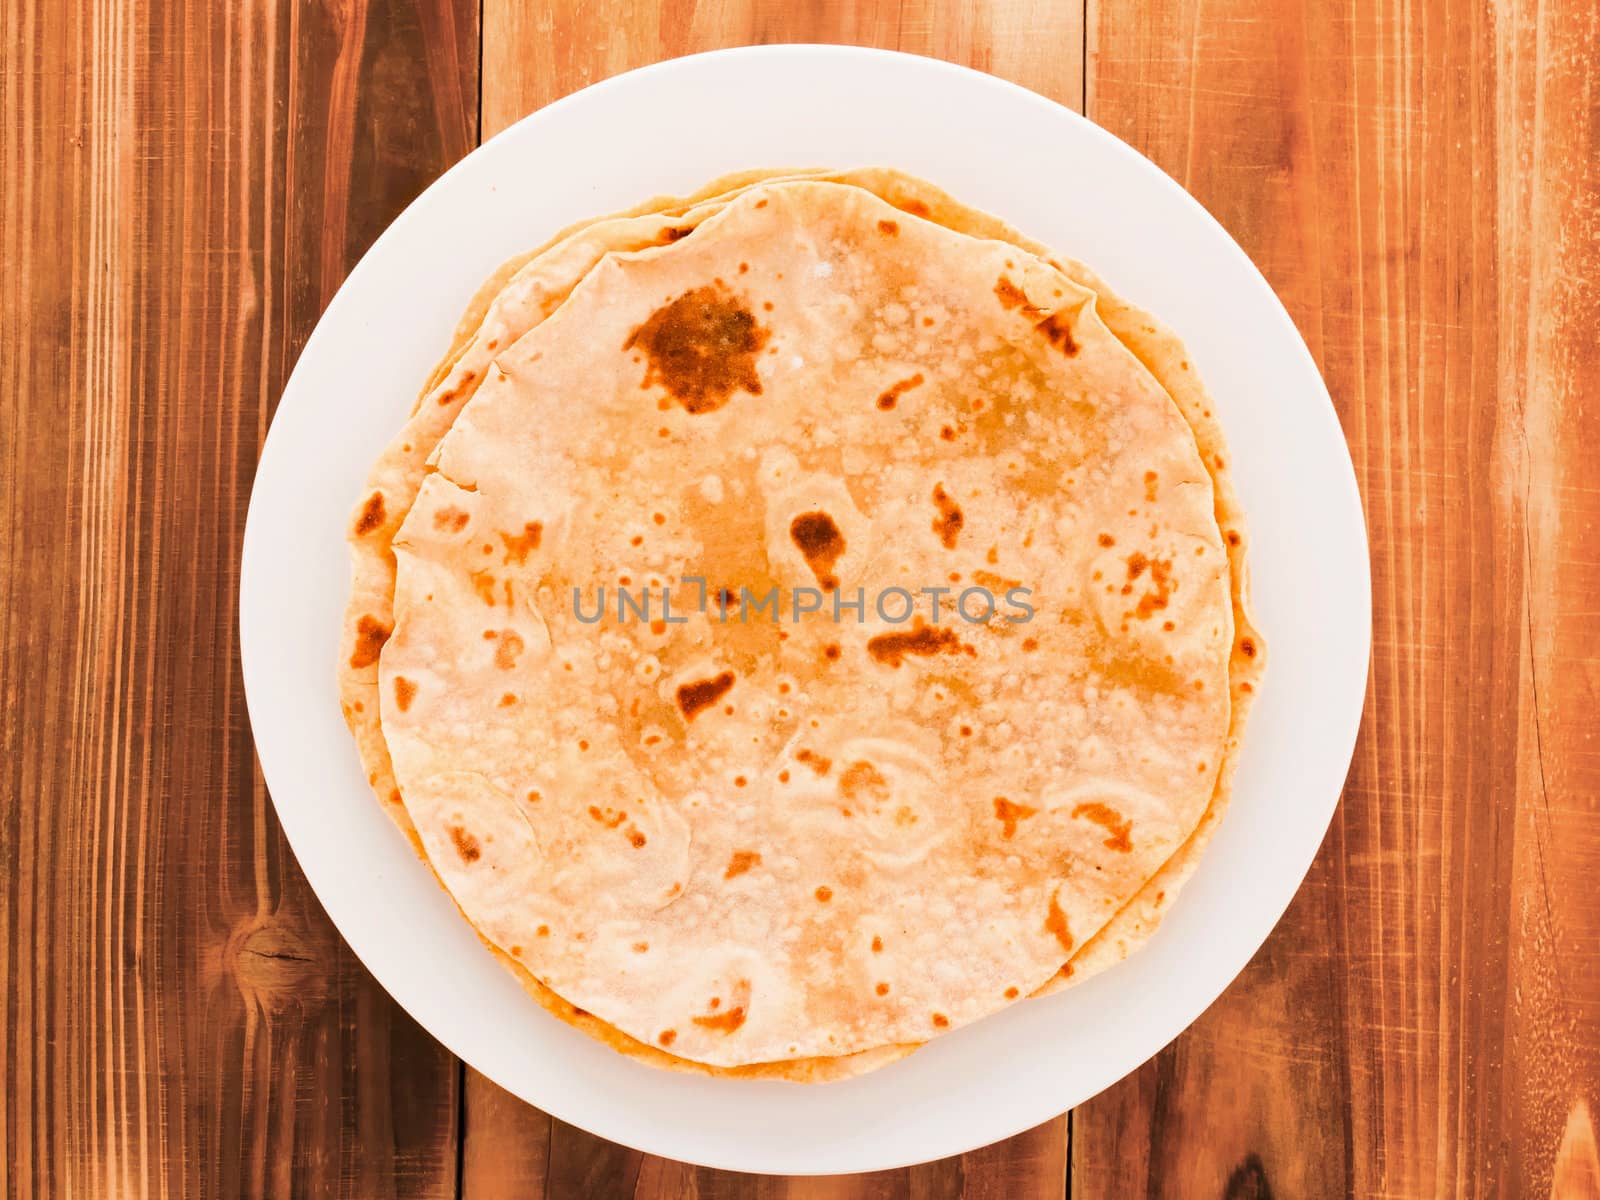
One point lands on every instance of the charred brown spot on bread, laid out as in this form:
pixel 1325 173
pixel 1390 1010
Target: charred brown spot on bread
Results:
pixel 1057 329
pixel 994 583
pixel 509 646
pixel 609 817
pixel 741 862
pixel 882 989
pixel 483 584
pixel 1055 922
pixel 923 640
pixel 890 228
pixel 1162 583
pixel 667 1036
pixel 1109 819
pixel 371 634
pixel 817 762
pixel 941 1021
pixel 450 519
pixel 861 782
pixel 694 698
pixel 519 545
pixel 1247 647
pixel 1150 481
pixel 1011 296
pixel 1009 813
pixel 722 1022
pixel 822 544
pixel 888 399
pixel 371 515
pixel 915 207
pixel 950 519
pixel 466 845
pixel 701 348
pixel 824 893
pixel 1011 993
pixel 466 380
pixel 877 945
pixel 405 690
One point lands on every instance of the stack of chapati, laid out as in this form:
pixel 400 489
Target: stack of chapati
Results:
pixel 758 844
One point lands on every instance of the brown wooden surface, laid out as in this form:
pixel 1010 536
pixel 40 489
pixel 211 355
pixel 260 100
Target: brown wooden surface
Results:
pixel 184 183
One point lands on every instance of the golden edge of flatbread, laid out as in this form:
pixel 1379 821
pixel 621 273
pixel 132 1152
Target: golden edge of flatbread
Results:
pixel 478 306
pixel 794 1070
pixel 1163 355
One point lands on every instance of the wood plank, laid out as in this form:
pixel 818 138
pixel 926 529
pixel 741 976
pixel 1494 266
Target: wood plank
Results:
pixel 182 185
pixel 534 54
pixel 527 1154
pixel 506 1144
pixel 1547 129
pixel 1418 180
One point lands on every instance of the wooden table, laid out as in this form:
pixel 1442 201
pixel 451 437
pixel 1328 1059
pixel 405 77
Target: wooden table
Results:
pixel 186 182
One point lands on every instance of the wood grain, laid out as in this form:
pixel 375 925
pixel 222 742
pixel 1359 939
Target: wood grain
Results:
pixel 1419 182
pixel 184 184
pixel 182 187
pixel 511 1150
pixel 536 53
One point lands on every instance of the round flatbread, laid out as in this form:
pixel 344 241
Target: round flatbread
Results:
pixel 915 404
pixel 1152 343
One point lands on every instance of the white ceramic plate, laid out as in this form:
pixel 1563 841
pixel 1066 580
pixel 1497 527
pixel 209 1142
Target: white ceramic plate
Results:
pixel 671 128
